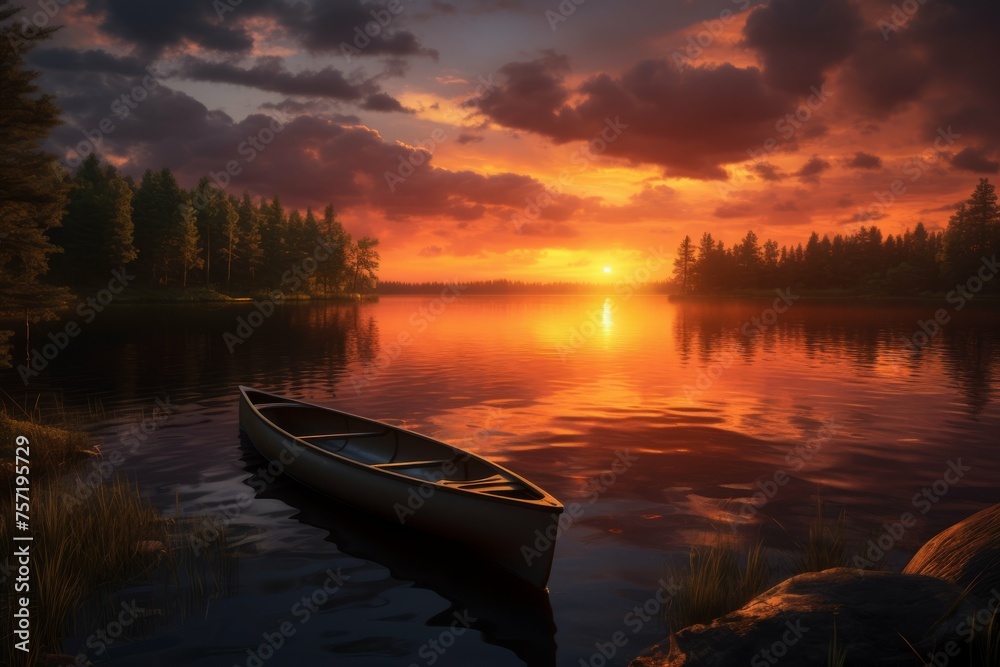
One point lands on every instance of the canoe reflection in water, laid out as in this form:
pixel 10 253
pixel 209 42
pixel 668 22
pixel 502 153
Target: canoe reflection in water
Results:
pixel 509 612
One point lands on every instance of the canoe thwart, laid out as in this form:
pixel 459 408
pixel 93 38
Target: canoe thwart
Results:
pixel 264 406
pixel 411 464
pixel 344 436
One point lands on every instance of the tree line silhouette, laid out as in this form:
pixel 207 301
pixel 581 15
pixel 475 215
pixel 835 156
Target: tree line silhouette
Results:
pixel 865 261
pixel 204 236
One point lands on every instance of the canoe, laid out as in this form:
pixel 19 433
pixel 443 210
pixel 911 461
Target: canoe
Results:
pixel 408 478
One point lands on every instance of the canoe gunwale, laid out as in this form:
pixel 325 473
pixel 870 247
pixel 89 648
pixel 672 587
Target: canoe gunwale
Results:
pixel 546 503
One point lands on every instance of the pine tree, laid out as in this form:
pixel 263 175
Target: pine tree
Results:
pixel 32 189
pixel 332 271
pixel 683 262
pixel 365 260
pixel 973 232
pixel 249 251
pixel 97 232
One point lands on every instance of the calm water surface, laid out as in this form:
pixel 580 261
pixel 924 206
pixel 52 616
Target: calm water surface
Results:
pixel 555 388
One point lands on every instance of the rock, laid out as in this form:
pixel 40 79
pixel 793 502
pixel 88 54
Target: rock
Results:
pixel 967 554
pixel 794 622
pixel 150 548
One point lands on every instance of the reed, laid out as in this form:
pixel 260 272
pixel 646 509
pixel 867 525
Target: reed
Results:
pixel 719 577
pixel 87 547
pixel 824 548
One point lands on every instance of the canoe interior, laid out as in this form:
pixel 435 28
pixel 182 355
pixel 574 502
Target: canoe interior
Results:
pixel 384 447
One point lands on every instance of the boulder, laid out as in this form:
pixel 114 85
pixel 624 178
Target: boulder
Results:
pixel 877 614
pixel 967 554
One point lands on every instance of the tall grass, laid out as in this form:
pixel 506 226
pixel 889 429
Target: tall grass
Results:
pixel 719 578
pixel 824 547
pixel 986 645
pixel 51 449
pixel 85 549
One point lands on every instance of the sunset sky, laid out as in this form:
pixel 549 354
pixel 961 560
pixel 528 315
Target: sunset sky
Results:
pixel 557 138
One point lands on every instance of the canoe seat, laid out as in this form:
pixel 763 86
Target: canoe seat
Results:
pixel 343 436
pixel 493 484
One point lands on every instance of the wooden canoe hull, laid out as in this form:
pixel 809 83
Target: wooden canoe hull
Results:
pixel 506 532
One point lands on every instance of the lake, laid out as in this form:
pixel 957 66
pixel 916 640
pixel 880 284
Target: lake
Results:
pixel 730 415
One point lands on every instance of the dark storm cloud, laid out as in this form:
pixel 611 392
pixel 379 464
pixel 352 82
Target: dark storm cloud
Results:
pixel 319 26
pixel 91 60
pixel 154 25
pixel 862 160
pixel 325 25
pixel 799 40
pixel 270 74
pixel 976 160
pixel 690 122
pixel 927 58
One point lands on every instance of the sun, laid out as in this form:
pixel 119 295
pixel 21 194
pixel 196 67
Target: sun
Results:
pixel 607 269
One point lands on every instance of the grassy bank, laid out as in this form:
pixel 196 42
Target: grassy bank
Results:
pixel 833 296
pixel 87 546
pixel 723 575
pixel 141 294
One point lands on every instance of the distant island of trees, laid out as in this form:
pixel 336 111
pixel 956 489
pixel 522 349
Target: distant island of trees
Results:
pixel 865 261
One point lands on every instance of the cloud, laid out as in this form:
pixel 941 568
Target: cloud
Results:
pixel 466 138
pixel 810 171
pixel 690 122
pixel 431 251
pixel 154 26
pixel 767 171
pixel 385 103
pixel 319 25
pixel 269 73
pixel 91 60
pixel 799 40
pixel 975 160
pixel 862 160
